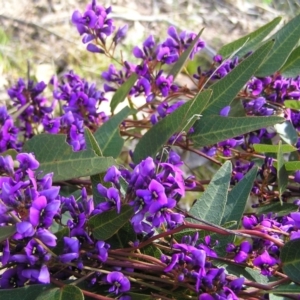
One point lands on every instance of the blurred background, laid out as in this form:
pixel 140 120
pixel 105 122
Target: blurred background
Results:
pixel 40 31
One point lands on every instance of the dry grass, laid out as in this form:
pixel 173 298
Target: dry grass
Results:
pixel 40 31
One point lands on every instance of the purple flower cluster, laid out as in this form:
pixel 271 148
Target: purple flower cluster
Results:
pixel 31 204
pixel 189 262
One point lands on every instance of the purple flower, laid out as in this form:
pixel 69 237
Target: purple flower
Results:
pixel 46 237
pixel 71 250
pixel 112 175
pixel 167 55
pixel 164 84
pixel 35 275
pixel 119 282
pixel 154 193
pixel 24 229
pixel 27 161
pixel 120 34
pixel 42 212
pixel 102 249
pixel 297 176
pixel 265 262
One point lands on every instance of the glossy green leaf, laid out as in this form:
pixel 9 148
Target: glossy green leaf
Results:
pixel 177 67
pixel 55 155
pixel 123 237
pixel 282 175
pixel 122 92
pixel 287 289
pixel 226 89
pixel 6 232
pixel 28 292
pixel 248 42
pixel 292 65
pixel 67 292
pixel 211 206
pixel 264 148
pixel 237 198
pixel 213 129
pixel 287 132
pixel 290 259
pixel 280 210
pixel 292 165
pixel 108 135
pixel 180 120
pixel 285 40
pixel 293 104
pixel 108 223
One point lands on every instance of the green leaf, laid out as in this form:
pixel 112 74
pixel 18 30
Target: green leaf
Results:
pixel 237 198
pixel 108 223
pixel 286 148
pixel 285 40
pixel 211 206
pixel 122 92
pixel 28 292
pixel 12 152
pixel 290 259
pixel 287 132
pixel 6 232
pixel 292 165
pixel 280 210
pixel 108 135
pixel 282 175
pixel 225 89
pixel 293 104
pixel 137 296
pixel 55 155
pixel 288 289
pixel 67 292
pixel 248 42
pixel 123 237
pixel 213 129
pixel 153 251
pixel 91 143
pixel 181 119
pixel 292 65
pixel 177 67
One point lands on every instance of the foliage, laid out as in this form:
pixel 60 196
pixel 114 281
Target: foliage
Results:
pixel 91 203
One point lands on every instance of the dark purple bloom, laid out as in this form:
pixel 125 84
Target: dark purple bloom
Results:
pixel 225 111
pixel 265 262
pixel 27 161
pixel 13 278
pixel 164 84
pixel 71 250
pixel 102 250
pixel 249 222
pixel 167 55
pixel 42 212
pixel 112 175
pixel 46 237
pixel 297 176
pixel 24 229
pixel 37 275
pixel 120 34
pixel 119 282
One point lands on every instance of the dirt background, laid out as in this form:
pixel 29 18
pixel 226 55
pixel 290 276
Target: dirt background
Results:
pixel 40 31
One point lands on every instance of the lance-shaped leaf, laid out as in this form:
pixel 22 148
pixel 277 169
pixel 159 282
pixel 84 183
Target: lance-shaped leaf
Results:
pixel 180 120
pixel 67 292
pixel 264 148
pixel 285 40
pixel 290 259
pixel 6 232
pixel 226 89
pixel 249 42
pixel 177 67
pixel 91 143
pixel 287 289
pixel 292 165
pixel 55 155
pixel 28 292
pixel 282 175
pixel 277 208
pixel 293 104
pixel 292 65
pixel 211 205
pixel 106 224
pixel 122 92
pixel 213 129
pixel 237 198
pixel 108 135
